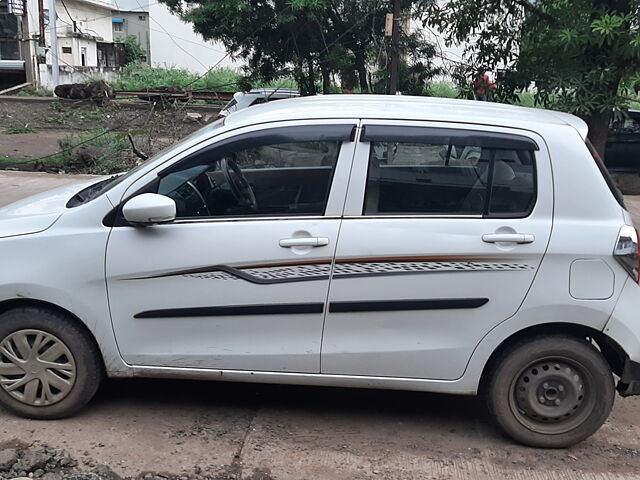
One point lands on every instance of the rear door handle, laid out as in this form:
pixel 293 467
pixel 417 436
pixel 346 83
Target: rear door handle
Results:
pixel 304 242
pixel 508 238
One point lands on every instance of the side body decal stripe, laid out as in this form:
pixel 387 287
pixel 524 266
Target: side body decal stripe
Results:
pixel 273 309
pixel 308 308
pixel 404 305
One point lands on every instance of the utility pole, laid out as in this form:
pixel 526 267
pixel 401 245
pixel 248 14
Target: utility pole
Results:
pixel 53 34
pixel 26 47
pixel 41 39
pixel 395 49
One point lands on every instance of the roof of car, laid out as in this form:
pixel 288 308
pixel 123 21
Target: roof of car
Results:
pixel 402 107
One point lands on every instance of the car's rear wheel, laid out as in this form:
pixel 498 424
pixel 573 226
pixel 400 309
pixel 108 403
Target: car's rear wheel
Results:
pixel 550 391
pixel 49 366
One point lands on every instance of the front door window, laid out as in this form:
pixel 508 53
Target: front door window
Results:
pixel 277 179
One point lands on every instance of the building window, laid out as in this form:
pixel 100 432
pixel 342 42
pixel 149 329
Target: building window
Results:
pixel 142 17
pixel 67 50
pixel 9 43
pixel 117 27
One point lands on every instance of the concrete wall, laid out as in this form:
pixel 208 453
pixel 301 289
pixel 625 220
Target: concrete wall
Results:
pixel 76 74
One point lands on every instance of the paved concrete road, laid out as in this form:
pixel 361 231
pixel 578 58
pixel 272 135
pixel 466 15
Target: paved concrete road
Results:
pixel 293 433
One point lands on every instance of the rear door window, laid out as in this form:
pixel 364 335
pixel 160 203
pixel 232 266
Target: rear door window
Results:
pixel 434 173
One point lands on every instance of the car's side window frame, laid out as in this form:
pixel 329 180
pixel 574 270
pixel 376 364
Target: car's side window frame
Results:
pixel 356 198
pixel 345 129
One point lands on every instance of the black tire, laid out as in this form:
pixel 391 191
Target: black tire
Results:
pixel 550 391
pixel 88 369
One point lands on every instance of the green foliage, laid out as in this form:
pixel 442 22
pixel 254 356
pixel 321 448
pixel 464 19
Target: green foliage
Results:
pixel 416 68
pixel 582 55
pixel 138 77
pixel 99 152
pixel 18 130
pixel 32 91
pixel 311 41
pixel 442 89
pixel 133 53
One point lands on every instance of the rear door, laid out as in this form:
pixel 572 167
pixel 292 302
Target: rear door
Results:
pixel 444 229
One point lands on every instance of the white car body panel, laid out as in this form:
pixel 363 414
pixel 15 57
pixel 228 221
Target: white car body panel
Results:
pixel 68 258
pixel 430 343
pixel 38 212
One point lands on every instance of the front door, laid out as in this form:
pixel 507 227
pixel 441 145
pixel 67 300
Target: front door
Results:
pixel 444 229
pixel 240 279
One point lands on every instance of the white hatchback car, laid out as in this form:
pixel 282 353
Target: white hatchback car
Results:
pixel 357 241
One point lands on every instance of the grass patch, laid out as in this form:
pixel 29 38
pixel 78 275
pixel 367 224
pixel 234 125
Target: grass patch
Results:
pixel 19 130
pixel 443 90
pixel 32 91
pixel 139 77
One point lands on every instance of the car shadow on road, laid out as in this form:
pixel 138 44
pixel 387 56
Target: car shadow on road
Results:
pixel 291 397
pixel 317 409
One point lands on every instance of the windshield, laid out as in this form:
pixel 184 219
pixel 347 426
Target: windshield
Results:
pixel 103 186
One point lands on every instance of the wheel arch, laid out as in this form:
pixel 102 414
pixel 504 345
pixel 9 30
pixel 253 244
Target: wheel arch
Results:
pixel 14 303
pixel 613 353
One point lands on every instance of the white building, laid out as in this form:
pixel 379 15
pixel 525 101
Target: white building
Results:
pixel 173 43
pixel 81 27
pixel 85 47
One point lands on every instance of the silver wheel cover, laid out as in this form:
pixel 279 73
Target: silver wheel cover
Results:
pixel 36 368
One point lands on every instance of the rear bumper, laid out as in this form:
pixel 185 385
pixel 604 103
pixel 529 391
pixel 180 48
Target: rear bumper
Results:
pixel 629 383
pixel 624 325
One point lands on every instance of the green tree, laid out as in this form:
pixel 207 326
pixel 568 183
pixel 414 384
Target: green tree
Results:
pixel 133 53
pixel 416 66
pixel 583 56
pixel 309 40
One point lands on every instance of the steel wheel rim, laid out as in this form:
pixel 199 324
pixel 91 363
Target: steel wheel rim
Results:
pixel 36 367
pixel 552 395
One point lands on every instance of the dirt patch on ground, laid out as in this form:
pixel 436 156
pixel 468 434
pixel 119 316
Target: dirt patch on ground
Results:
pixel 92 139
pixel 31 145
pixel 197 430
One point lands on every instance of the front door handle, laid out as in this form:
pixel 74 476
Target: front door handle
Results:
pixel 304 242
pixel 508 238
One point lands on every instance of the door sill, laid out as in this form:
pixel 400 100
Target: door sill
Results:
pixel 314 379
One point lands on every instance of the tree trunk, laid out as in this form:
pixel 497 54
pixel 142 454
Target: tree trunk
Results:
pixel 311 89
pixel 361 68
pixel 598 123
pixel 326 78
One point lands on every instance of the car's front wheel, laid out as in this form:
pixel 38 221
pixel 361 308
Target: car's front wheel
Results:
pixel 550 391
pixel 49 366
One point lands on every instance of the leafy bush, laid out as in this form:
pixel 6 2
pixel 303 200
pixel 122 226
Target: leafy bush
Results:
pixel 442 89
pixel 99 152
pixel 137 76
pixel 132 51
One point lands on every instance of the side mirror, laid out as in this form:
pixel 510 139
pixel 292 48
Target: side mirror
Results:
pixel 149 208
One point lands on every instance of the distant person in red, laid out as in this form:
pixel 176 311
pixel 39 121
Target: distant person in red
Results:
pixel 483 87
